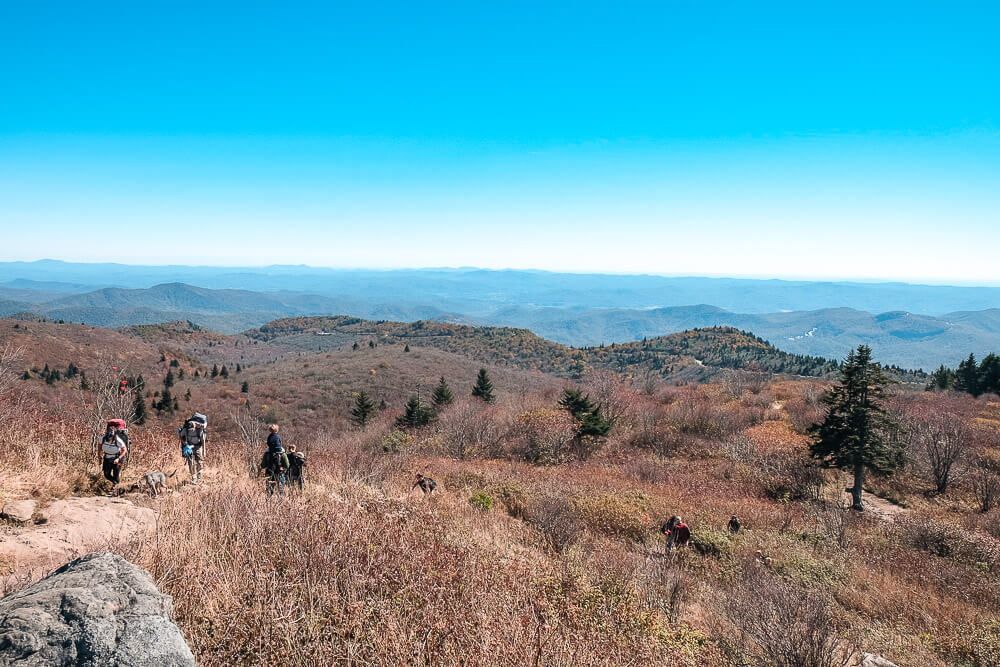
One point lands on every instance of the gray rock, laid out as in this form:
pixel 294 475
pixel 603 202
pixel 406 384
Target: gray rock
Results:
pixel 872 660
pixel 18 510
pixel 95 611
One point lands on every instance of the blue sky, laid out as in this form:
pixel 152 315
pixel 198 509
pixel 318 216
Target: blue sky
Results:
pixel 842 139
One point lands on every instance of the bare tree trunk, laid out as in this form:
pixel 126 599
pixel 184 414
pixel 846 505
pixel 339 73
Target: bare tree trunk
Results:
pixel 859 482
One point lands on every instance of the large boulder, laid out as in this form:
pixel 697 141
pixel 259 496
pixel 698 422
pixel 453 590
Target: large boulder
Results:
pixel 96 611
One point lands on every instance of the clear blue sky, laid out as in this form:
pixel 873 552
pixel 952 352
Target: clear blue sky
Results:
pixel 821 139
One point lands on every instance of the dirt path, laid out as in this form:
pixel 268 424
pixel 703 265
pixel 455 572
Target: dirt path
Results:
pixel 877 507
pixel 73 527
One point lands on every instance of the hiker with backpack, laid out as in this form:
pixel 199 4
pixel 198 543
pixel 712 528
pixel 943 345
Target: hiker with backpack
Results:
pixel 296 463
pixel 275 462
pixel 114 450
pixel 677 533
pixel 193 436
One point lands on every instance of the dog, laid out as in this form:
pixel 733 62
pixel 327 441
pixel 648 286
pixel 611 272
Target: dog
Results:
pixel 155 482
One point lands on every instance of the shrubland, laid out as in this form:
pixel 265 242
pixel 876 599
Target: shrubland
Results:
pixel 535 549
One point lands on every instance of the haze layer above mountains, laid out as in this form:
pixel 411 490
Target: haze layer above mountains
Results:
pixel 907 325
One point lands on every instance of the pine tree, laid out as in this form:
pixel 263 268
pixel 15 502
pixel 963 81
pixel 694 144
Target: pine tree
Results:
pixel 239 369
pixel 415 415
pixel 483 388
pixel 355 346
pixel 174 363
pixel 406 348
pixel 967 376
pixel 941 379
pixel 857 432
pixel 989 374
pixel 168 381
pixel 196 373
pixel 26 375
pixel 224 372
pixel 363 410
pixel 215 370
pixel 166 402
pixel 442 395
pixel 590 422
pixel 139 407
pixel 245 388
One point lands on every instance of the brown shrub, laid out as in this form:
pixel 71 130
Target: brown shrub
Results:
pixel 780 625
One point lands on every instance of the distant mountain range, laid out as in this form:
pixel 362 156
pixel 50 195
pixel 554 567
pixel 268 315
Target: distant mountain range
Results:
pixel 809 318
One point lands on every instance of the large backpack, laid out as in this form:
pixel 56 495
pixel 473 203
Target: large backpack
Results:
pixel 122 428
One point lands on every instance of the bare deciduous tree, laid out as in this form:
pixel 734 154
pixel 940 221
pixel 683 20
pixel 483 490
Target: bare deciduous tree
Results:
pixel 253 432
pixel 113 398
pixel 986 485
pixel 11 396
pixel 942 445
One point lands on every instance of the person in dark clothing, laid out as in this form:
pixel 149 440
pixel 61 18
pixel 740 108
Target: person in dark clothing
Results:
pixel 296 463
pixel 113 451
pixel 426 484
pixel 275 463
pixel 676 532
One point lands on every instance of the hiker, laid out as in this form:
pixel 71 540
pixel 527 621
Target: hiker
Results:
pixel 734 524
pixel 193 436
pixel 296 462
pixel 275 462
pixel 676 532
pixel 113 451
pixel 426 484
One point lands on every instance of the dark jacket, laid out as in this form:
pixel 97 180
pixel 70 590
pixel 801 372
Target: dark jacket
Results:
pixel 274 443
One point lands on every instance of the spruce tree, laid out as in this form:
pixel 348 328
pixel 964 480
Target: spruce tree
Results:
pixel 442 395
pixel 989 374
pixel 967 376
pixel 415 415
pixel 406 348
pixel 857 433
pixel 941 379
pixel 166 402
pixel 224 372
pixel 483 388
pixel 590 422
pixel 83 382
pixel 363 410
pixel 168 381
pixel 245 388
pixel 215 370
pixel 139 408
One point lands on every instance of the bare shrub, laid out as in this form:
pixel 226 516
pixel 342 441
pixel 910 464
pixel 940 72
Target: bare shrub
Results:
pixel 665 587
pixel 557 520
pixel 806 410
pixel 11 396
pixel 252 433
pixel 986 486
pixel 656 434
pixel 942 445
pixel 546 435
pixel 471 430
pixel 780 625
pixel 612 395
pixel 742 381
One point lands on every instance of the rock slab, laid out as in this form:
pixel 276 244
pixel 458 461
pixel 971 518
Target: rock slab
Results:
pixel 18 510
pixel 95 611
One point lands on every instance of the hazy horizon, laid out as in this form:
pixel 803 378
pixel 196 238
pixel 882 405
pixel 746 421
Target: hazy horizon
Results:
pixel 657 138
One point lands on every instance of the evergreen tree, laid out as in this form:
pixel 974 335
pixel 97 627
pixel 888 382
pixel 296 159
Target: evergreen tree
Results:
pixel 166 402
pixel 139 407
pixel 239 369
pixel 168 380
pixel 174 363
pixel 483 388
pixel 590 422
pixel 442 395
pixel 371 344
pixel 162 357
pixel 83 382
pixel 363 410
pixel 187 396
pixel 415 415
pixel 224 372
pixel 355 346
pixel 941 379
pixel 967 376
pixel 139 384
pixel 215 370
pixel 245 388
pixel 196 373
pixel 382 405
pixel 406 348
pixel 26 375
pixel 180 374
pixel 857 432
pixel 175 407
pixel 989 374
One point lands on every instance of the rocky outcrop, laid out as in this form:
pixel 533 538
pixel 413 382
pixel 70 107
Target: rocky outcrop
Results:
pixel 96 611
